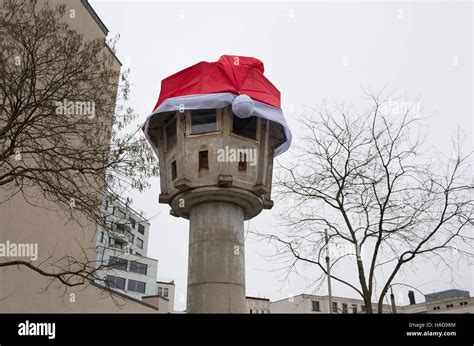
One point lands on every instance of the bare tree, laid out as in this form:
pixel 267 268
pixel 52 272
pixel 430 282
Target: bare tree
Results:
pixel 63 140
pixel 383 198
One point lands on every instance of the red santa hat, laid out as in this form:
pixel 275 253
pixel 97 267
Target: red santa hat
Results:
pixel 232 80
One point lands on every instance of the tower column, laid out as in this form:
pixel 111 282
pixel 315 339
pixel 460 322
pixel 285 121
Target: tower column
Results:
pixel 216 267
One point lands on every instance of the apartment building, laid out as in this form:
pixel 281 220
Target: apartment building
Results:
pixel 123 246
pixel 257 305
pixel 309 303
pixel 451 301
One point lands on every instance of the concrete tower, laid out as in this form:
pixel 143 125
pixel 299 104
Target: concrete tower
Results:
pixel 216 153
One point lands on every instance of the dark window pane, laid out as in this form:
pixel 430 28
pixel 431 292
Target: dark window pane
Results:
pixel 138 267
pixel 174 171
pixel 140 243
pixel 203 160
pixel 170 133
pixel 242 162
pixel 118 263
pixel 115 282
pixel 246 127
pixel 136 286
pixel 203 120
pixel 141 229
pixel 132 221
pixel 141 287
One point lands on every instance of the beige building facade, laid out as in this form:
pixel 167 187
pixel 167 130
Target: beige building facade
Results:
pixel 257 305
pixel 48 239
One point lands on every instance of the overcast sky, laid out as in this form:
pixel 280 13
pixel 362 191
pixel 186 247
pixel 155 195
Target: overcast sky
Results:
pixel 312 51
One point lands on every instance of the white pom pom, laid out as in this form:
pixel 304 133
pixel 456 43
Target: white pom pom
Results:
pixel 243 106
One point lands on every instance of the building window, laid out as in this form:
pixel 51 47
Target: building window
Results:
pixel 242 162
pixel 362 308
pixel 140 243
pixel 141 229
pixel 170 131
pixel 316 306
pixel 115 282
pixel 132 222
pixel 136 286
pixel 174 170
pixel 246 127
pixel 160 291
pixel 118 263
pixel 101 237
pixel 137 267
pixel 203 160
pixel 354 308
pixel 115 243
pixel 165 292
pixel 334 307
pixel 203 121
pixel 131 237
pixel 344 308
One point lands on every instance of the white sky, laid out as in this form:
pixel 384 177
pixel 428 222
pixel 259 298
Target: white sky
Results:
pixel 312 51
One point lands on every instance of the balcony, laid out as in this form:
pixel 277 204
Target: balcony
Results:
pixel 120 233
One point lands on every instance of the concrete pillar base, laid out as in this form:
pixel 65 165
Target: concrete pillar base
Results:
pixel 216 272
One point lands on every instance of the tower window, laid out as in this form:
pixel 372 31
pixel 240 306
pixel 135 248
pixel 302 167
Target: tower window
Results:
pixel 174 172
pixel 246 127
pixel 170 130
pixel 242 162
pixel 203 121
pixel 203 160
